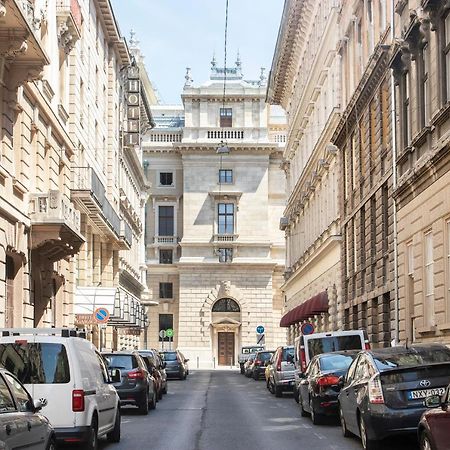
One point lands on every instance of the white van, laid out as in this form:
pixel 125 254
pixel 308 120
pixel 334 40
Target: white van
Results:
pixel 68 375
pixel 310 345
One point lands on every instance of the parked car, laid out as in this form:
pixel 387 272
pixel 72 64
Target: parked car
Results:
pixel 155 368
pixel 246 351
pixel 434 425
pixel 69 377
pixel 135 385
pixel 281 371
pixel 319 386
pixel 267 371
pixel 260 362
pixel 310 345
pixel 176 364
pixel 21 423
pixel 248 366
pixel 384 390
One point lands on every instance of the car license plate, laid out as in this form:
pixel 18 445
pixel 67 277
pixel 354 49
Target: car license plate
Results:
pixel 424 393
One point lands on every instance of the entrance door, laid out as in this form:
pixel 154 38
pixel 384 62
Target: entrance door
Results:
pixel 226 349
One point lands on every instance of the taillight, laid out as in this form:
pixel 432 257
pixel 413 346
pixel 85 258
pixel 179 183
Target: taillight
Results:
pixel 136 374
pixel 280 357
pixel 303 359
pixel 375 390
pixel 328 380
pixel 367 345
pixel 77 400
pixel 258 362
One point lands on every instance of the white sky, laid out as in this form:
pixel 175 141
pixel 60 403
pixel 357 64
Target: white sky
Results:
pixel 175 34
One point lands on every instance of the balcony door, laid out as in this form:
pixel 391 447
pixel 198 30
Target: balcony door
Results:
pixel 166 222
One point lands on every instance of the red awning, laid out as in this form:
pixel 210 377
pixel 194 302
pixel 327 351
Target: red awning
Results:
pixel 315 305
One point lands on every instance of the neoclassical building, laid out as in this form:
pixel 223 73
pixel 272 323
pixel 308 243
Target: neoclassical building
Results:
pixel 214 252
pixel 305 80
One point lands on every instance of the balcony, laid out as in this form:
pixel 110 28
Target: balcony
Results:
pixel 171 240
pixel 126 234
pixel 55 226
pixel 89 194
pixel 236 135
pixel 225 237
pixel 68 16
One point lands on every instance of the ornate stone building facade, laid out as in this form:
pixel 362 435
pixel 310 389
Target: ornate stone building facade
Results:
pixel 305 80
pixel 214 253
pixel 421 67
pixel 71 188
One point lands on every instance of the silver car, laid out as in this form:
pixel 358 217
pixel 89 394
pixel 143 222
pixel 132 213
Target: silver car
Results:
pixel 281 371
pixel 21 424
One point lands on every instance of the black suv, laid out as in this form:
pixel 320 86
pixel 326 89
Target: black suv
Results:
pixel 176 364
pixel 136 386
pixel 157 367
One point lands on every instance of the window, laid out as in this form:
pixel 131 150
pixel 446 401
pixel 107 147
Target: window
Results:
pixel 226 305
pixel 22 397
pixel 165 322
pixel 225 218
pixel 410 259
pixel 406 109
pixel 226 117
pixel 166 256
pixel 225 255
pixel 225 176
pixel 424 88
pixel 6 400
pixel 354 161
pixel 166 179
pixel 429 278
pixel 166 221
pixel 101 363
pixel 446 54
pixel 165 290
pixel 10 281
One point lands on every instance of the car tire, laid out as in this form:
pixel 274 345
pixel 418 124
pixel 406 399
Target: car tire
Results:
pixel 160 394
pixel 92 442
pixel 296 395
pixel 51 444
pixel 165 389
pixel 344 428
pixel 367 444
pixel 303 412
pixel 143 408
pixel 278 391
pixel 255 376
pixel 114 434
pixel 425 441
pixel 152 404
pixel 316 419
pixel 242 369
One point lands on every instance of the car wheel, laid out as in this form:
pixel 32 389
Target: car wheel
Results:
pixel 296 398
pixel 278 391
pixel 152 404
pixel 242 369
pixel 425 441
pixel 367 443
pixel 143 408
pixel 303 412
pixel 317 419
pixel 344 428
pixel 51 444
pixel 114 434
pixel 160 394
pixel 92 443
pixel 255 376
pixel 165 388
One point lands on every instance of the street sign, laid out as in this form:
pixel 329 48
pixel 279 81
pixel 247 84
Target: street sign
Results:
pixel 169 332
pixel 261 339
pixel 101 315
pixel 260 329
pixel 162 334
pixel 307 328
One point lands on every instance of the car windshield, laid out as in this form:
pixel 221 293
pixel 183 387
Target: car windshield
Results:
pixel 412 357
pixel 169 356
pixel 333 344
pixel 126 362
pixel 42 363
pixel 336 362
pixel 288 351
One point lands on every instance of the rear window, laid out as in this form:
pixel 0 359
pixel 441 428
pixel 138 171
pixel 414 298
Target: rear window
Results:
pixel 265 356
pixel 333 344
pixel 336 362
pixel 412 358
pixel 41 363
pixel 125 362
pixel 288 351
pixel 169 356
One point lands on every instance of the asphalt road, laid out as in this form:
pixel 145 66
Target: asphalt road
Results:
pixel 223 410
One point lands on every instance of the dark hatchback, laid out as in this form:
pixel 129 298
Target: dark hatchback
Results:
pixel 434 426
pixel 136 386
pixel 384 390
pixel 258 368
pixel 319 386
pixel 176 364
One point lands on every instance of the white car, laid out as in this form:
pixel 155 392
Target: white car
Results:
pixel 68 376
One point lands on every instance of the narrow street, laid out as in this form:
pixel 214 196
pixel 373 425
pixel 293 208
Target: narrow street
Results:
pixel 224 410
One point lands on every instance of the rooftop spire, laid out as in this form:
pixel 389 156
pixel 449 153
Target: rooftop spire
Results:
pixel 213 61
pixel 188 78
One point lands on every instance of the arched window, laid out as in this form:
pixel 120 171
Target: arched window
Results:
pixel 226 305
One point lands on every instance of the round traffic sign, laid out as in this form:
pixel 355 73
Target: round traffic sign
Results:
pixel 101 315
pixel 307 328
pixel 162 334
pixel 260 329
pixel 169 332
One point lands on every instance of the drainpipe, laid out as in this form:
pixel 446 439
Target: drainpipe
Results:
pixel 396 338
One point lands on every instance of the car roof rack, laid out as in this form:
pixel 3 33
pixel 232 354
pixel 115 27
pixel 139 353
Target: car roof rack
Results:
pixel 63 332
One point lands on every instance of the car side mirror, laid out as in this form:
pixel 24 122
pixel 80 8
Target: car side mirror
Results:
pixel 37 406
pixel 186 360
pixel 432 401
pixel 114 375
pixel 164 365
pixel 341 381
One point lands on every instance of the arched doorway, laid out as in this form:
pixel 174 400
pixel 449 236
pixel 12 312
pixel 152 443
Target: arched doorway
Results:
pixel 226 320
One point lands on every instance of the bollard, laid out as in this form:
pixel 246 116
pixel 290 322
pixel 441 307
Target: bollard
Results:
pixel 214 362
pixel 198 359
